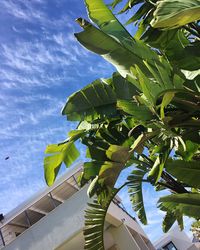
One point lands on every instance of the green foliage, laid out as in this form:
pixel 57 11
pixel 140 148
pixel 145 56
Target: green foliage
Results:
pixel 88 104
pixel 170 219
pixel 113 51
pixel 58 154
pixel 98 99
pixel 94 226
pixel 187 204
pixel 135 191
pixel 94 223
pixel 175 13
pixel 146 116
pixel 138 111
pixel 186 172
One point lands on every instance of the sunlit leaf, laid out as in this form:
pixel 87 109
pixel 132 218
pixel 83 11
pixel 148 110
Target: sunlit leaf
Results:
pixel 64 153
pixel 174 13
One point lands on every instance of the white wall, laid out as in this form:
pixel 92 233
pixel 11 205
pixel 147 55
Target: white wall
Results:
pixel 67 221
pixel 52 230
pixel 116 214
pixel 123 238
pixel 179 238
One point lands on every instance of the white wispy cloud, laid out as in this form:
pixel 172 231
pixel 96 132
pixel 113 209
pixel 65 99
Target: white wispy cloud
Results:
pixel 30 57
pixel 22 9
pixel 27 99
pixel 41 63
pixel 32 118
pixel 33 12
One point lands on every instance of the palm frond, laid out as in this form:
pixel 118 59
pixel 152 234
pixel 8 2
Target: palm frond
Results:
pixel 186 204
pixel 135 192
pixel 94 223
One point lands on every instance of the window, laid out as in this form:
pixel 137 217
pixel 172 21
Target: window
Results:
pixel 170 246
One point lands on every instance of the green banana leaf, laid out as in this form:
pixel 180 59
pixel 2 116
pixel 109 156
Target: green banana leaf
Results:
pixel 187 172
pixel 169 220
pixel 103 17
pixel 118 153
pixel 95 216
pixel 130 4
pixel 124 89
pixel 109 25
pixel 115 3
pixel 132 58
pixel 65 153
pixel 109 172
pixel 143 10
pixel 135 192
pixel 96 100
pixel 139 112
pixel 112 50
pixel 186 204
pixel 170 14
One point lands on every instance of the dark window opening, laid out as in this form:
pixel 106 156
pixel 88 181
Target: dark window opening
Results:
pixel 170 246
pixel 17 234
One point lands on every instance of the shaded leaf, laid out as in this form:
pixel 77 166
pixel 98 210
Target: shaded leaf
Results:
pixel 96 148
pixel 191 149
pixel 130 4
pixel 168 221
pixel 118 153
pixel 109 172
pixel 94 223
pixel 144 8
pixel 158 38
pixel 186 204
pixel 91 169
pixel 186 172
pixel 140 112
pixel 123 88
pixel 135 192
pixel 158 166
pixel 167 98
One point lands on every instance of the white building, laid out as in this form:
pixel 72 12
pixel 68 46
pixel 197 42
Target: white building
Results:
pixel 54 220
pixel 175 240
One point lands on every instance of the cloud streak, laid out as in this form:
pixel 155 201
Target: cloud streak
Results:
pixel 41 64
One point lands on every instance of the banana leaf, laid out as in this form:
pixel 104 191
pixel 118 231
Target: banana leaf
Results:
pixel 170 14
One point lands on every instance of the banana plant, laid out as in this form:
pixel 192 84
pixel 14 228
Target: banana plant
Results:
pixel 145 117
pixel 172 27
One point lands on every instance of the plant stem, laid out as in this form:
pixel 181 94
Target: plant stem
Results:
pixel 195 27
pixel 175 186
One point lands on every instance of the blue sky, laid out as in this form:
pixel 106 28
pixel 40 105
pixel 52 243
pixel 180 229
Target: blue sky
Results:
pixel 41 64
